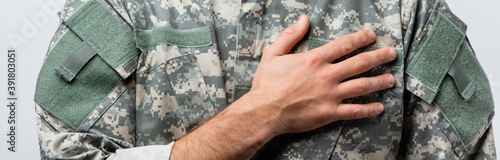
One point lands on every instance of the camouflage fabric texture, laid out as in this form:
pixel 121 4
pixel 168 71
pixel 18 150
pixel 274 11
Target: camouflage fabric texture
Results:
pixel 172 89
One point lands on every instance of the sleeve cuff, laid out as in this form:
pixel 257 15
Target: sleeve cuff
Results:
pixel 155 152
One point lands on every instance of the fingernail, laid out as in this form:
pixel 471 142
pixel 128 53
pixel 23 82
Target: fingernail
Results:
pixel 380 108
pixel 392 54
pixel 390 80
pixel 372 34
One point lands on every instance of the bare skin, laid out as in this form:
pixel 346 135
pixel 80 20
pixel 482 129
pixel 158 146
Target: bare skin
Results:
pixel 284 100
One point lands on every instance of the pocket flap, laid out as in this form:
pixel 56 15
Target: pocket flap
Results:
pixel 195 37
pixel 107 34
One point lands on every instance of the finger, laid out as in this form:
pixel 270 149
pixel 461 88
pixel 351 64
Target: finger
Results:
pixel 291 36
pixel 362 86
pixel 363 62
pixel 345 44
pixel 358 111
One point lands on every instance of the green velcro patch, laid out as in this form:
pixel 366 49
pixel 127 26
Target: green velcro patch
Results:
pixel 166 35
pixel 239 92
pixel 436 55
pixel 105 33
pixel 467 116
pixel 75 61
pixel 73 102
pixel 446 66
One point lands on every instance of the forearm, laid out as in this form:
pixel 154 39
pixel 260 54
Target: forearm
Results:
pixel 236 133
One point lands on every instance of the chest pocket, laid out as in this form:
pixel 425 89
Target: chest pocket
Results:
pixel 446 73
pixel 171 87
pixel 96 52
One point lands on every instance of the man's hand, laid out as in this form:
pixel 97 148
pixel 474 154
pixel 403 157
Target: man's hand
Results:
pixel 291 93
pixel 305 91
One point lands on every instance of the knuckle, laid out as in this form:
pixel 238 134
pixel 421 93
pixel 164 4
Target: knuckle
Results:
pixel 382 83
pixel 324 79
pixel 373 111
pixel 382 57
pixel 289 30
pixel 355 113
pixel 364 36
pixel 362 62
pixel 363 86
pixel 345 44
pixel 328 112
pixel 312 59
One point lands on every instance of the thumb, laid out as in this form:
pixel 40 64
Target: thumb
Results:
pixel 291 36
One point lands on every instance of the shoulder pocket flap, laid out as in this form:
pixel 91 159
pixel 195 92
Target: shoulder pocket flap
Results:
pixel 106 33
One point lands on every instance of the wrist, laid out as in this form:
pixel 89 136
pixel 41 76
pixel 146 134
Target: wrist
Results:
pixel 237 132
pixel 263 112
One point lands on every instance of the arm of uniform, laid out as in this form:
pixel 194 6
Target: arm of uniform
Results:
pixel 59 141
pixel 85 91
pixel 450 106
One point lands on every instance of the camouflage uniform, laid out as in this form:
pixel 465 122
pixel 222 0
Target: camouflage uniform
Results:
pixel 166 88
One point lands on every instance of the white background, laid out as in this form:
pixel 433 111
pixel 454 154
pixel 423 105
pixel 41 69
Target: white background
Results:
pixel 480 15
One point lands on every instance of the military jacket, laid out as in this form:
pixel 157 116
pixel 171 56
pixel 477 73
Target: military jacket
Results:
pixel 125 79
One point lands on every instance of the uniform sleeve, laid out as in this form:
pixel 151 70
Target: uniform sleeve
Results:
pixel 446 84
pixel 84 91
pixel 58 141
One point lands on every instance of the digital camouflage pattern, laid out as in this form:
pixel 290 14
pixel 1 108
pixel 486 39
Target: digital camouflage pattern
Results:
pixel 174 89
